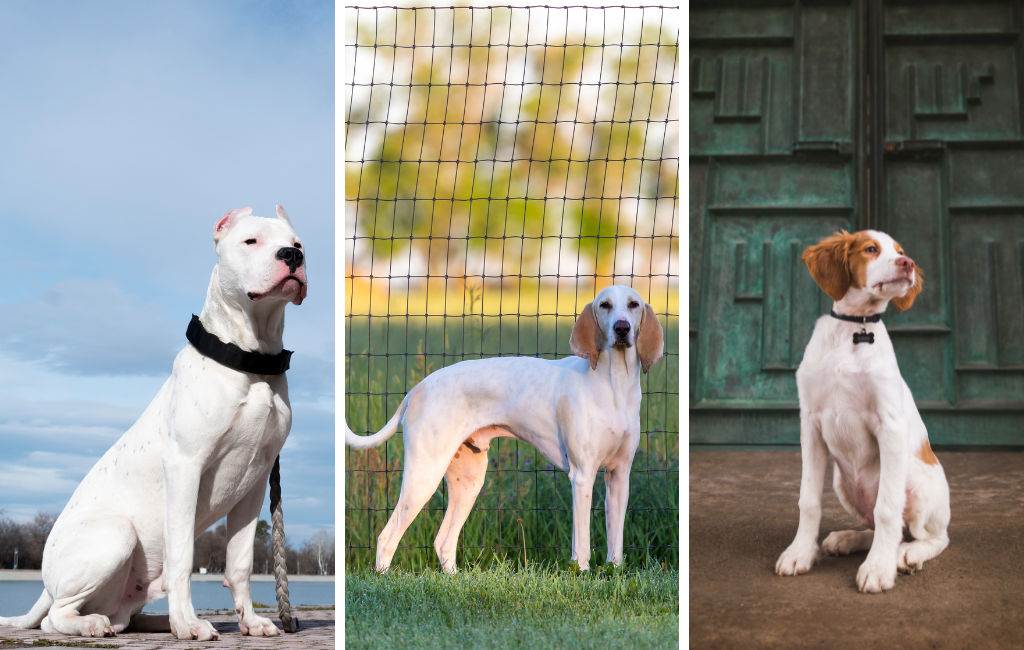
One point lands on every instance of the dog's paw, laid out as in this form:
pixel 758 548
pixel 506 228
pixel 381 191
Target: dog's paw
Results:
pixel 844 542
pixel 797 559
pixel 95 625
pixel 258 626
pixel 910 557
pixel 194 630
pixel 874 578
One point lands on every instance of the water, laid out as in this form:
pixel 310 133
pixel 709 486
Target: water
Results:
pixel 18 596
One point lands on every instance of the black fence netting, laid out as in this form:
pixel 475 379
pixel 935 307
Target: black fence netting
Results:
pixel 502 166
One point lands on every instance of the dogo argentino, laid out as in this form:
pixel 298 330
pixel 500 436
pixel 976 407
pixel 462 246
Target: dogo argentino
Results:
pixel 203 449
pixel 582 413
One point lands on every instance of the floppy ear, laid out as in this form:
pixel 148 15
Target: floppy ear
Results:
pixel 829 264
pixel 904 303
pixel 227 222
pixel 587 339
pixel 650 340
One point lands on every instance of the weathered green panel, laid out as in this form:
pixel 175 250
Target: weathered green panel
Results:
pixel 787 183
pixel 826 74
pixel 780 134
pixel 989 262
pixel 760 308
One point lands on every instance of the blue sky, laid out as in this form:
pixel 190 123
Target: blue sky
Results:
pixel 129 128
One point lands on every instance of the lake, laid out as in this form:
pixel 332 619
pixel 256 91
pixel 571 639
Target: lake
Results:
pixel 18 596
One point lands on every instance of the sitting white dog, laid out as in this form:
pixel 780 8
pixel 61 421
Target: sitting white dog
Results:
pixel 855 406
pixel 204 448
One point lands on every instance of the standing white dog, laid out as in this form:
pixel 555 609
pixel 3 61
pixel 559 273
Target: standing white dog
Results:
pixel 203 449
pixel 581 412
pixel 855 405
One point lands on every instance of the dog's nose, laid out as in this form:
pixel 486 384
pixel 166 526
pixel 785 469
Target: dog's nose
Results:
pixel 905 263
pixel 621 328
pixel 293 257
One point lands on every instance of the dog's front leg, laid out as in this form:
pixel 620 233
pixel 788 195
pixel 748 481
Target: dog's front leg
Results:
pixel 616 483
pixel 878 572
pixel 802 553
pixel 582 497
pixel 182 473
pixel 241 526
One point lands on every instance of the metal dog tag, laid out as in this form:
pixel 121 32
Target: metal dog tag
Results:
pixel 863 336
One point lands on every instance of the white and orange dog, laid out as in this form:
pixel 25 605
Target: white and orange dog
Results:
pixel 855 406
pixel 582 413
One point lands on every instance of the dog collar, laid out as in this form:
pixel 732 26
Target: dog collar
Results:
pixel 234 357
pixel 863 336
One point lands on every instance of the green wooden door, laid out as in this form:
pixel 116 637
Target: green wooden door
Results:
pixel 799 110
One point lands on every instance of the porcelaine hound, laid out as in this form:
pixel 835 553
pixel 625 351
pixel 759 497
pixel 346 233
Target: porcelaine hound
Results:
pixel 855 406
pixel 582 413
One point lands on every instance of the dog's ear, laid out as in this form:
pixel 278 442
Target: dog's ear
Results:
pixel 904 303
pixel 282 215
pixel 650 341
pixel 829 264
pixel 587 339
pixel 227 222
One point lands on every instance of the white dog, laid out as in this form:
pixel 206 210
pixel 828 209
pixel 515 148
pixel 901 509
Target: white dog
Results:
pixel 855 405
pixel 203 449
pixel 582 413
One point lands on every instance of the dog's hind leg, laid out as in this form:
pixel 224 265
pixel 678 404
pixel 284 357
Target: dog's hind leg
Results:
pixel 926 517
pixel 421 476
pixel 465 478
pixel 844 542
pixel 92 571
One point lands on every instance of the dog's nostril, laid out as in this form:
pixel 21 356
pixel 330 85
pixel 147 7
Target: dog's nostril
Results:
pixel 621 327
pixel 290 256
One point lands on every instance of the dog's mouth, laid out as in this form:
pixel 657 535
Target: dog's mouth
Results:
pixel 622 344
pixel 282 286
pixel 895 282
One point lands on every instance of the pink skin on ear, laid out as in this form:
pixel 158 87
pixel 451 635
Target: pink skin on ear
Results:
pixel 228 221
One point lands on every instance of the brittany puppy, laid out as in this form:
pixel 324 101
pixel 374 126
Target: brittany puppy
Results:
pixel 855 406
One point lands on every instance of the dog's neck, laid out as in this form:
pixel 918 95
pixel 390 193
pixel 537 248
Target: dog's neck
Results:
pixel 253 326
pixel 858 302
pixel 621 367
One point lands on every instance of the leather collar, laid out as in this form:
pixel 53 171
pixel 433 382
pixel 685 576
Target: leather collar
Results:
pixel 234 357
pixel 857 319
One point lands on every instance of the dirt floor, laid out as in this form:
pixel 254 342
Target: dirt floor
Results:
pixel 743 514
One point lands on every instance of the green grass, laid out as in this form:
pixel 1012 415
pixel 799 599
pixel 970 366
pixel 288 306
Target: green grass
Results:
pixel 520 483
pixel 505 606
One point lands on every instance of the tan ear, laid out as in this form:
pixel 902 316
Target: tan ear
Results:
pixel 904 303
pixel 829 264
pixel 650 341
pixel 587 339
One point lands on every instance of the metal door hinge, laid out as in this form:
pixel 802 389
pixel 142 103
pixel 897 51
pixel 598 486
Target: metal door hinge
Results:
pixel 915 148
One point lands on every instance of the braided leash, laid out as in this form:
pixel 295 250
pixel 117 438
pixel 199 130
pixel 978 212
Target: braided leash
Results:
pixel 284 608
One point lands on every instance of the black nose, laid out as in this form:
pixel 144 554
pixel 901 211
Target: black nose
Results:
pixel 290 256
pixel 621 328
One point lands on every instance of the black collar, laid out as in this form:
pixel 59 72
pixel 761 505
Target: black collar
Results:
pixel 232 356
pixel 857 319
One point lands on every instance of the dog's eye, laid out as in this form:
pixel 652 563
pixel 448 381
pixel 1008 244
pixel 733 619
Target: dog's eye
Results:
pixel 870 249
pixel 606 305
pixel 250 241
pixel 633 304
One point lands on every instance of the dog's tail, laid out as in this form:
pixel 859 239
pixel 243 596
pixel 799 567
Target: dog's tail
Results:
pixel 35 615
pixel 363 442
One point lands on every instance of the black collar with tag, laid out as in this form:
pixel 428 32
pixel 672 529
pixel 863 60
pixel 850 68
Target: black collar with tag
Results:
pixel 234 357
pixel 863 336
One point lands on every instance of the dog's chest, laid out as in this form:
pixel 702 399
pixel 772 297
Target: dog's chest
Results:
pixel 247 450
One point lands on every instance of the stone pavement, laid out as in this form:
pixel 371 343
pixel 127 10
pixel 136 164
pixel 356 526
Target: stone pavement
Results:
pixel 316 630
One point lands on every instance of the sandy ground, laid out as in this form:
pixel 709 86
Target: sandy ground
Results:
pixel 743 514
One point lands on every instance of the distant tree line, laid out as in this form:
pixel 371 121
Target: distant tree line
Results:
pixel 314 557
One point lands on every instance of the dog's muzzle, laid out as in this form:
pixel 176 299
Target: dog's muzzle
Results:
pixel 291 256
pixel 621 329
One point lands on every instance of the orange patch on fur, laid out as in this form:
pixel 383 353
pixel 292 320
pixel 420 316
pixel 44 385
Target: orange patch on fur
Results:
pixel 926 455
pixel 859 257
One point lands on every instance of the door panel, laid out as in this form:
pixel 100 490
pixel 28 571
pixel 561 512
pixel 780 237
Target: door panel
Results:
pixel 782 141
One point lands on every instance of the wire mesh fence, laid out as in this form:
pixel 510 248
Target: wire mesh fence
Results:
pixel 502 166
